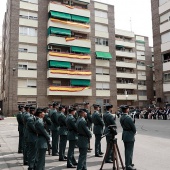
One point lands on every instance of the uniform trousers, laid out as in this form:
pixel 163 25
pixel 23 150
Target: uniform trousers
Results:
pixel 98 144
pixel 21 140
pixel 55 141
pixel 70 156
pixel 62 146
pixel 41 159
pixel 25 150
pixel 32 154
pixel 109 155
pixel 82 159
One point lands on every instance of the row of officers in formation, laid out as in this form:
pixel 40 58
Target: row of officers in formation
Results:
pixel 38 127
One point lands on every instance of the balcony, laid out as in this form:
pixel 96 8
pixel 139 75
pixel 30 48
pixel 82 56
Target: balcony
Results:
pixel 102 63
pixel 143 98
pixel 141 48
pixel 125 54
pixel 66 41
pixel 103 78
pixel 28 39
pixel 165 7
pixel 125 64
pixel 126 75
pixel 141 58
pixel 139 67
pixel 54 6
pixel 26 91
pixel 105 93
pixel 101 48
pixel 164 27
pixel 27 56
pixel 142 87
pixel 28 22
pixel 140 77
pixel 101 34
pixel 126 86
pixel 69 91
pixel 27 73
pixel 124 33
pixel 165 47
pixel 166 66
pixel 70 57
pixel 166 87
pixel 69 74
pixel 125 43
pixel 130 97
pixel 28 6
pixel 101 20
pixel 74 26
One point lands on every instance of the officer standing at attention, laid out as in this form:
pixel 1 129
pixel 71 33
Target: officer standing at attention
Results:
pixel 109 119
pixel 63 133
pixel 88 119
pixel 72 137
pixel 42 141
pixel 47 120
pixel 55 129
pixel 128 136
pixel 32 138
pixel 83 137
pixel 20 129
pixel 97 130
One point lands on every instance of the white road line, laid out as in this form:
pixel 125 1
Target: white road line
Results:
pixel 6 155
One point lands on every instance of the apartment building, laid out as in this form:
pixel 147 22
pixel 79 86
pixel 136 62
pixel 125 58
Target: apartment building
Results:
pixel 161 36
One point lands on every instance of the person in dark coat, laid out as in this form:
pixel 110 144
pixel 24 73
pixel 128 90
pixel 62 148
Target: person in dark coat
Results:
pixel 128 136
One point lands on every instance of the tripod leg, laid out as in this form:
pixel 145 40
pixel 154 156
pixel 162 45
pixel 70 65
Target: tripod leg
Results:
pixel 107 150
pixel 117 162
pixel 114 165
pixel 120 157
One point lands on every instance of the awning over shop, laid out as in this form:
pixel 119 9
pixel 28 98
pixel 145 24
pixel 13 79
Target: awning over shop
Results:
pixel 61 31
pixel 59 64
pixel 80 49
pixel 103 55
pixel 140 41
pixel 80 18
pixel 55 14
pixel 77 82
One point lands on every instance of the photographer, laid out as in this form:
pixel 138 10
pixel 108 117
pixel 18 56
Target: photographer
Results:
pixel 128 136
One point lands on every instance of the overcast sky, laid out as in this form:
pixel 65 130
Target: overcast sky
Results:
pixel 138 10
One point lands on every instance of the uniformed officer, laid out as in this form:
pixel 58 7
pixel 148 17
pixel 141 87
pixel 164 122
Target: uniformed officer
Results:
pixel 83 137
pixel 72 137
pixel 63 133
pixel 128 136
pixel 32 138
pixel 109 119
pixel 97 130
pixel 42 141
pixel 88 119
pixel 20 129
pixel 55 129
pixel 47 120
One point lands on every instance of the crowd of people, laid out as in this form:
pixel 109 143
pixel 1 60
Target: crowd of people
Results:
pixel 57 124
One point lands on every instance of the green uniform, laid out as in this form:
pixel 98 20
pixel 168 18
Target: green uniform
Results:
pixel 128 137
pixel 21 131
pixel 42 143
pixel 47 122
pixel 32 138
pixel 109 119
pixel 83 137
pixel 98 131
pixel 55 131
pixel 72 137
pixel 63 135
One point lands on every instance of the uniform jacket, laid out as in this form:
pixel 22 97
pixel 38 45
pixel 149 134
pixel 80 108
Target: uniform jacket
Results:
pixel 54 118
pixel 98 123
pixel 83 133
pixel 43 136
pixel 129 129
pixel 62 122
pixel 72 128
pixel 25 117
pixel 47 122
pixel 89 118
pixel 20 122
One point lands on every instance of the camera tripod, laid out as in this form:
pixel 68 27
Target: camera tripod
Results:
pixel 116 154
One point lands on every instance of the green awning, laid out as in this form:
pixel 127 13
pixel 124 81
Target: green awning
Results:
pixel 140 41
pixel 80 49
pixel 82 1
pixel 61 31
pixel 55 14
pixel 77 82
pixel 119 46
pixel 59 64
pixel 80 18
pixel 103 55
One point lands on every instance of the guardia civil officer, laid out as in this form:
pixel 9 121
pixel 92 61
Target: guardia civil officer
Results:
pixel 54 114
pixel 47 120
pixel 72 137
pixel 109 119
pixel 97 130
pixel 42 141
pixel 25 117
pixel 128 136
pixel 83 137
pixel 20 129
pixel 63 133
pixel 32 139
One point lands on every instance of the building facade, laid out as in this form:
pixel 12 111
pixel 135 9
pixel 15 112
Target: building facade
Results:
pixel 66 51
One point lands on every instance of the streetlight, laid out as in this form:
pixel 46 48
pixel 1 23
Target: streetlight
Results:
pixel 13 69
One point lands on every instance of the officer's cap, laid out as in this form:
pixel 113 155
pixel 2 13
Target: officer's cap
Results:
pixel 44 109
pixel 20 107
pixel 61 107
pixel 108 106
pixel 82 110
pixel 71 109
pixel 38 111
pixel 96 105
pixel 55 104
pixel 86 103
pixel 49 104
pixel 124 107
pixel 27 106
pixel 32 108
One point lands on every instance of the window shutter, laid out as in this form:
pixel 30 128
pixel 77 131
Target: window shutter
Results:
pixel 32 66
pixel 22 83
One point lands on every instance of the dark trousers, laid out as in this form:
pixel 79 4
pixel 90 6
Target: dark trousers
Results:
pixel 128 153
pixel 41 159
pixel 55 141
pixel 25 150
pixel 109 155
pixel 21 141
pixel 62 146
pixel 70 156
pixel 82 159
pixel 98 144
pixel 32 154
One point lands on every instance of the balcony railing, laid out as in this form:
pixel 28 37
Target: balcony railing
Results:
pixel 70 72
pixel 124 40
pixel 67 88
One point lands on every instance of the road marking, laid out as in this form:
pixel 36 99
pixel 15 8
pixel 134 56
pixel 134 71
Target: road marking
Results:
pixel 6 155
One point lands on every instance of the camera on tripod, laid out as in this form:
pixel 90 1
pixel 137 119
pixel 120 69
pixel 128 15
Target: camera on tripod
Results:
pixel 113 129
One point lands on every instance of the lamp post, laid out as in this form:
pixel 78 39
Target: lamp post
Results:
pixel 13 69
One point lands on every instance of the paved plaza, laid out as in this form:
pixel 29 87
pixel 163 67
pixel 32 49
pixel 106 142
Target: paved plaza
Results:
pixel 152 147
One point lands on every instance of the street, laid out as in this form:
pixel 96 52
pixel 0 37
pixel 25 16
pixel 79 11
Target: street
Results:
pixel 152 147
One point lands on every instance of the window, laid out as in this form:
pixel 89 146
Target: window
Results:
pixel 102 86
pixel 101 41
pixel 141 82
pixel 27 48
pixel 56 83
pixel 28 15
pixel 100 27
pixel 31 1
pixel 140 53
pixel 140 44
pixel 140 63
pixel 167 77
pixel 27 66
pixel 141 73
pixel 106 101
pixel 78 67
pixel 102 71
pixel 22 65
pixel 31 83
pixel 101 14
pixel 28 31
pixel 142 93
pixel 165 37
